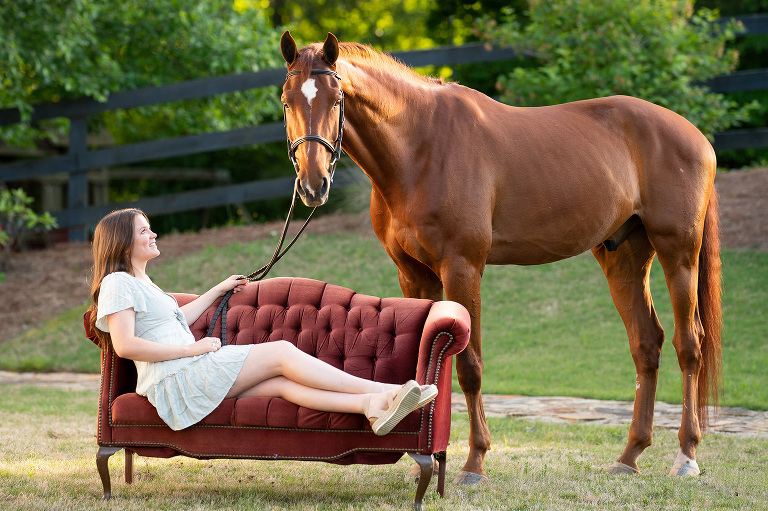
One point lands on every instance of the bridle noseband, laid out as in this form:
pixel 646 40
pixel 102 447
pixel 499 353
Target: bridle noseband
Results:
pixel 334 148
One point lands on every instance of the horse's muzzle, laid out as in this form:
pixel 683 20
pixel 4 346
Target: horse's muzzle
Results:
pixel 311 197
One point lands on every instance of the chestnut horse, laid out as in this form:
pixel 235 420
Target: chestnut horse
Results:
pixel 461 181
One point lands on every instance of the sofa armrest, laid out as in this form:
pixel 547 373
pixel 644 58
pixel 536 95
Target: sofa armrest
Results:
pixel 446 333
pixel 89 334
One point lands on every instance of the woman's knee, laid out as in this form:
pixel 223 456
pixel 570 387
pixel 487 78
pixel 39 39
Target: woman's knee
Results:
pixel 283 348
pixel 278 352
pixel 268 359
pixel 274 348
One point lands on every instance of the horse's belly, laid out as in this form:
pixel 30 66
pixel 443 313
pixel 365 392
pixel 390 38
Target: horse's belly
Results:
pixel 532 252
pixel 564 236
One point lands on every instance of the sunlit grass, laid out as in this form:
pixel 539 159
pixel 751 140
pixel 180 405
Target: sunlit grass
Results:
pixel 48 451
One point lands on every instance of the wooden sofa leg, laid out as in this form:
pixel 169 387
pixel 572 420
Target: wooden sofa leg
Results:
pixel 128 466
pixel 102 464
pixel 441 460
pixel 427 465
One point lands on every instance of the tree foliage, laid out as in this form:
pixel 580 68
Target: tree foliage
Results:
pixel 655 50
pixel 53 50
pixel 453 21
pixel 384 24
pixel 753 54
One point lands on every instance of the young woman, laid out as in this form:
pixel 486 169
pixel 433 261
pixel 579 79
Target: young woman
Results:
pixel 186 379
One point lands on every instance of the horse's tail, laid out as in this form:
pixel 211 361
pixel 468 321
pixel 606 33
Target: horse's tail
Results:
pixel 710 311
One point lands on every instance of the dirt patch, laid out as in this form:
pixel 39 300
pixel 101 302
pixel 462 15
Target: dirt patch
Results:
pixel 744 208
pixel 43 283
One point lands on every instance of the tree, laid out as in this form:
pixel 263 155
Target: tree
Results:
pixel 453 21
pixel 384 24
pixel 655 50
pixel 753 54
pixel 52 51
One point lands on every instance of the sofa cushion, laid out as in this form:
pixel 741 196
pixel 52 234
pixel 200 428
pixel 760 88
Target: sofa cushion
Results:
pixel 134 410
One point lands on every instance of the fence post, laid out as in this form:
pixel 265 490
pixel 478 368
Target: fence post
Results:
pixel 77 193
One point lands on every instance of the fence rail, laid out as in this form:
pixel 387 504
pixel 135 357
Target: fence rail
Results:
pixel 79 159
pixel 196 199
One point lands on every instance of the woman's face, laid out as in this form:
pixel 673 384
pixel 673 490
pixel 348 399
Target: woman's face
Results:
pixel 144 240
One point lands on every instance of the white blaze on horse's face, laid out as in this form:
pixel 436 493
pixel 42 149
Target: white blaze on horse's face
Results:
pixel 310 90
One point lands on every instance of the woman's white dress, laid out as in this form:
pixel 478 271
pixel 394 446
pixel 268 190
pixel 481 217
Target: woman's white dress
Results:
pixel 183 390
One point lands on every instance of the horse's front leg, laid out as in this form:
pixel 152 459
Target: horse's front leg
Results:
pixel 461 280
pixel 418 281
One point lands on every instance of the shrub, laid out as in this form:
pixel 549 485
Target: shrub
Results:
pixel 16 219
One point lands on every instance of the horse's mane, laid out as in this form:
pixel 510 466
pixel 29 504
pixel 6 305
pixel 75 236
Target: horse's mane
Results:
pixel 365 56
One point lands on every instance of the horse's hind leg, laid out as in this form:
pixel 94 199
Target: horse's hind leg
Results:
pixel 627 271
pixel 679 259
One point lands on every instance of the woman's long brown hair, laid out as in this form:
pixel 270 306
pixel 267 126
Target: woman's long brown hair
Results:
pixel 112 247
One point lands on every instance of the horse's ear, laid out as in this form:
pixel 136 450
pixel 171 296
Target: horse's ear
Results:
pixel 331 49
pixel 288 48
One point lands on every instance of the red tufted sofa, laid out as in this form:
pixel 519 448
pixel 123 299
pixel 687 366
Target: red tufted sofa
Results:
pixel 390 340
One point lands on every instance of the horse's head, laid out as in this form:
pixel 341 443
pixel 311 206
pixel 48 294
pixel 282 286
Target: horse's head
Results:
pixel 313 103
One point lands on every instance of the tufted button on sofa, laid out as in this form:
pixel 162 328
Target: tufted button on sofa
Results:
pixel 390 340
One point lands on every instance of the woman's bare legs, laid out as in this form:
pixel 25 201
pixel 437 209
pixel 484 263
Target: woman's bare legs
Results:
pixel 279 369
pixel 317 399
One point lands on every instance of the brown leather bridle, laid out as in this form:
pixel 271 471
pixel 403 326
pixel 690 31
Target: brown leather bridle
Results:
pixel 334 148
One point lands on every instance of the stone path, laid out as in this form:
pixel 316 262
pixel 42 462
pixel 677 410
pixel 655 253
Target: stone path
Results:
pixel 77 381
pixel 729 420
pixel 735 421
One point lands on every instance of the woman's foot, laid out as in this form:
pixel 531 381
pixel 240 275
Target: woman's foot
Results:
pixel 398 405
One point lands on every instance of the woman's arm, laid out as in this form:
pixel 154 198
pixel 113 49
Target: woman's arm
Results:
pixel 195 308
pixel 122 327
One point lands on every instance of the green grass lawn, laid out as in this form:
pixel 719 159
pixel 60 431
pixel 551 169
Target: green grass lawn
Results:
pixel 48 451
pixel 547 330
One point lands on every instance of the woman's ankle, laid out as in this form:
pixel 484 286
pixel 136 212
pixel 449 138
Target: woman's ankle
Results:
pixel 367 405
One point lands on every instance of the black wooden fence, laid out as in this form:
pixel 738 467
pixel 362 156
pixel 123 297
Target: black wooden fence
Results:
pixel 76 163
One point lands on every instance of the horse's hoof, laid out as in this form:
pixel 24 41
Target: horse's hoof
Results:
pixel 618 467
pixel 470 478
pixel 684 466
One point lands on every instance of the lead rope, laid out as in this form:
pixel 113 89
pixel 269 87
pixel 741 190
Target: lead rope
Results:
pixel 262 272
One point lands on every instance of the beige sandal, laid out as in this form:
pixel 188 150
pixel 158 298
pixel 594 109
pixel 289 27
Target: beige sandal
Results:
pixel 428 394
pixel 404 402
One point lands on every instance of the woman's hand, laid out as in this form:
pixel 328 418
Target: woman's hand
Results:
pixel 196 307
pixel 234 283
pixel 204 345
